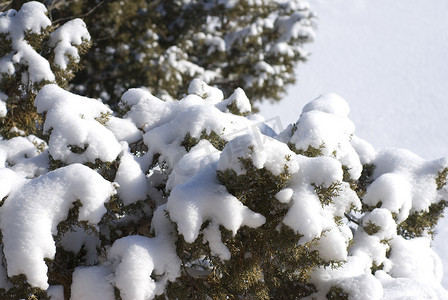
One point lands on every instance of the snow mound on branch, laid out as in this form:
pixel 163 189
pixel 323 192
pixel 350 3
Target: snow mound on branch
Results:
pixel 32 211
pixel 415 259
pixel 141 256
pixel 263 151
pixel 307 215
pixel 140 267
pixel 324 125
pixel 421 189
pixel 124 130
pixel 394 191
pixel 131 179
pixel 15 150
pixel 77 134
pixel 203 111
pixel 65 39
pixel 402 183
pixel 21 154
pixel 416 271
pixel 32 19
pixel 354 276
pixel 200 155
pixel 203 90
pixel 239 100
pixel 202 198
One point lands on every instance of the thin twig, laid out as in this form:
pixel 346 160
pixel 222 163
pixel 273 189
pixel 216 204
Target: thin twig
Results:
pixel 352 218
pixel 6 5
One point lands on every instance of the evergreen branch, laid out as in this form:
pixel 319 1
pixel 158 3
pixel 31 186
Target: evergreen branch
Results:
pixel 352 218
pixel 63 20
pixel 5 6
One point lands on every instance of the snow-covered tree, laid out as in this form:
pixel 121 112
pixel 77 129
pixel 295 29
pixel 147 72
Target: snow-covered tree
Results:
pixel 163 45
pixel 34 53
pixel 201 198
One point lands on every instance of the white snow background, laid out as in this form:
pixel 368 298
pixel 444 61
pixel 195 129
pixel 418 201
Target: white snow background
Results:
pixel 389 61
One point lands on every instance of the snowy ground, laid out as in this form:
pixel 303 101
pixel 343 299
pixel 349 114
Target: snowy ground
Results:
pixel 389 61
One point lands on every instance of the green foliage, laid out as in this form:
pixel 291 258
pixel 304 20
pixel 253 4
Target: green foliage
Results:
pixel 106 169
pixel 421 222
pixel 256 189
pixel 22 290
pixel 266 262
pixel 336 293
pixel 371 228
pixel 72 221
pixel 376 267
pixel 21 114
pixel 441 178
pixel 103 118
pixel 20 90
pixel 136 43
pixel 360 185
pixel 326 194
pixel 309 152
pixel 5 46
pixel 120 220
pixel 138 148
pixel 218 142
pixel 61 268
pixel 424 222
pixel 189 142
pixel 233 108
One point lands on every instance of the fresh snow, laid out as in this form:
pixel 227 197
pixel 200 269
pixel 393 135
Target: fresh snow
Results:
pixel 34 208
pixel 32 19
pixel 82 130
pixel 387 60
pixel 77 135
